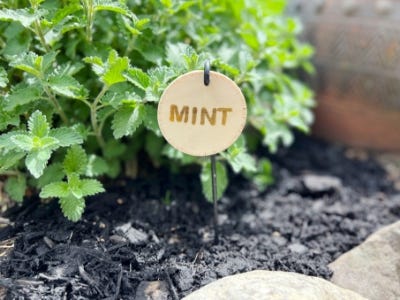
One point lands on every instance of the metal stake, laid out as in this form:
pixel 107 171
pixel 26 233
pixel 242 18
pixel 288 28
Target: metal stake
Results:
pixel 213 166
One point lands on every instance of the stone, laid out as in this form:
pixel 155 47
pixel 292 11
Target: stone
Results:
pixel 134 236
pixel 321 183
pixel 372 269
pixel 298 248
pixel 152 290
pixel 272 285
pixel 185 277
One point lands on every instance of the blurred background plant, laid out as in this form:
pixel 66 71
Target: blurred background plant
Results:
pixel 80 82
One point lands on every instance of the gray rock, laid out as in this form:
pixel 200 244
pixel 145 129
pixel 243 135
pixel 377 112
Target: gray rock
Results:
pixel 321 183
pixel 279 240
pixel 373 268
pixel 272 285
pixel 134 236
pixel 152 290
pixel 298 248
pixel 185 277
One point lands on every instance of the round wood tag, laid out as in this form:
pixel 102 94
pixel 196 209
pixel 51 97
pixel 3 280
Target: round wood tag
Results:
pixel 202 120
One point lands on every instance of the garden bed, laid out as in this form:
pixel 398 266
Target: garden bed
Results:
pixel 160 228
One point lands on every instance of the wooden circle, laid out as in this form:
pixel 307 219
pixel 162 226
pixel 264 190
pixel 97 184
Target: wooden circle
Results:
pixel 202 120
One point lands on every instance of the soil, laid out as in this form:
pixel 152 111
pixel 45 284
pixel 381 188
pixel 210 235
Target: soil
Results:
pixel 160 228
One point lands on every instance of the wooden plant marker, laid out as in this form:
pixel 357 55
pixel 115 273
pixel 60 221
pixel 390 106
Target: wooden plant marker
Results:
pixel 202 113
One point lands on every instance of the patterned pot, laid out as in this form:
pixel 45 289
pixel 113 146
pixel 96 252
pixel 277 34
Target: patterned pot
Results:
pixel 357 57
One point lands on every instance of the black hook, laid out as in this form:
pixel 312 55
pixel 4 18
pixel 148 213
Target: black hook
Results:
pixel 207 72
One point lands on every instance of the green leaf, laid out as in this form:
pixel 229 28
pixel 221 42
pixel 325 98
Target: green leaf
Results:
pixel 66 136
pixel 127 120
pixel 48 60
pixel 36 161
pixel 263 177
pixel 7 118
pixel 150 119
pixel 114 149
pixel 75 185
pixel 206 180
pixel 75 160
pixel 138 78
pixel 29 62
pixel 97 64
pixel 5 139
pixel 21 96
pixel 177 52
pixel 91 187
pixel 46 142
pixel 72 207
pixel 110 5
pixel 24 16
pixel 15 187
pixel 10 159
pixel 23 142
pixel 83 187
pixel 3 78
pixel 115 68
pixel 57 189
pixel 17 40
pixel 242 161
pixel 52 173
pixel 67 86
pixel 38 125
pixel 96 166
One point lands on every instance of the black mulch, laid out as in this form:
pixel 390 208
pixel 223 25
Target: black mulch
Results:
pixel 289 228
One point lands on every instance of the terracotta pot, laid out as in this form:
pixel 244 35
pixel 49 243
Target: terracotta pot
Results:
pixel 357 57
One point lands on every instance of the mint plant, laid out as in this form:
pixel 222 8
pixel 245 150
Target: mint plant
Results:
pixel 80 82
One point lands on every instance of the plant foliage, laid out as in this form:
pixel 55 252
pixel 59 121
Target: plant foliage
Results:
pixel 80 82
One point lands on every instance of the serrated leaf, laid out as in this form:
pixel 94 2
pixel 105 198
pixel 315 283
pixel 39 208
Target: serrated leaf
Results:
pixel 97 64
pixel 46 142
pixel 17 39
pixel 65 11
pixel 10 159
pixel 75 160
pixel 21 96
pixel 48 60
pixel 74 185
pixel 29 62
pixel 15 187
pixel 3 78
pixel 161 75
pixel 242 161
pixel 114 149
pixel 115 68
pixel 138 78
pixel 127 120
pixel 150 119
pixel 57 189
pixel 206 180
pixel 24 16
pixel 109 5
pixel 36 161
pixel 7 118
pixel 177 52
pixel 96 166
pixel 67 86
pixel 238 158
pixel 72 207
pixel 263 177
pixel 66 136
pixel 5 139
pixel 52 173
pixel 23 141
pixel 91 187
pixel 38 125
